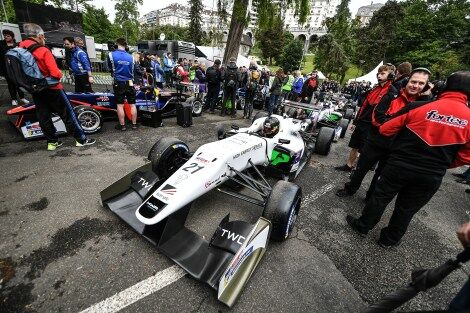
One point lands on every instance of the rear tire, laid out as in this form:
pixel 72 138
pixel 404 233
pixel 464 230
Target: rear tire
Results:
pixel 324 140
pixel 344 123
pixel 349 113
pixel 282 208
pixel 167 156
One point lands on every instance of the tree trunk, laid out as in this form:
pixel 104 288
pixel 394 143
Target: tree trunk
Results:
pixel 237 24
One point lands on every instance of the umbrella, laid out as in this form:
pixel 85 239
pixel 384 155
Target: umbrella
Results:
pixel 421 280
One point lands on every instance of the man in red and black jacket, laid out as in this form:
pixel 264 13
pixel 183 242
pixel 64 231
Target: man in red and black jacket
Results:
pixel 376 148
pixel 429 138
pixel 52 99
pixel 362 123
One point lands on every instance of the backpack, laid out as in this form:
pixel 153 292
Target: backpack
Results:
pixel 255 75
pixel 211 75
pixel 23 70
pixel 231 77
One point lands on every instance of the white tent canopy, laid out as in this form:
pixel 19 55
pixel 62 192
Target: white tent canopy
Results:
pixel 213 53
pixel 320 75
pixel 369 77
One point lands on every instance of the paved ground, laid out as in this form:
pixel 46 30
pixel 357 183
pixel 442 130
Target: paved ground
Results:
pixel 60 251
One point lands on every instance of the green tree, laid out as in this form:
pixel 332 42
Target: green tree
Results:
pixel 291 55
pixel 239 21
pixel 331 57
pixel 270 38
pixel 73 5
pixel 127 14
pixel 171 32
pixel 195 17
pixel 96 23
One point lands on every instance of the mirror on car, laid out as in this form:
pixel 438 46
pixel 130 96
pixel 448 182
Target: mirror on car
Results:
pixel 235 127
pixel 283 141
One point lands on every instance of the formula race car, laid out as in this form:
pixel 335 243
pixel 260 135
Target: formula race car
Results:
pixel 155 199
pixel 93 108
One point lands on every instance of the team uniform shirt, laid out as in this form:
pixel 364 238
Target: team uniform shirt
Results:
pixel 79 63
pixel 372 99
pixel 431 136
pixel 390 104
pixel 45 60
pixel 184 74
pixel 122 66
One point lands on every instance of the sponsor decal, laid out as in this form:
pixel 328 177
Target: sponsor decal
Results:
pixel 215 181
pixel 236 263
pixel 168 190
pixel 233 236
pixel 152 206
pixel 162 196
pixel 145 184
pixel 180 178
pixel 255 147
pixel 449 120
pixel 236 140
pixel 202 160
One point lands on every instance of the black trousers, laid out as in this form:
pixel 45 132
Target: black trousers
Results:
pixel 370 155
pixel 413 191
pixel 249 97
pixel 51 101
pixel 14 90
pixel 212 96
pixel 82 84
pixel 230 93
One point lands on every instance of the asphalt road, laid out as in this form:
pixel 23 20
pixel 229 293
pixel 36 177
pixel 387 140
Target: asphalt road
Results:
pixel 60 251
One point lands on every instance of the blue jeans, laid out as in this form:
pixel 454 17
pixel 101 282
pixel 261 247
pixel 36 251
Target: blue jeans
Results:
pixel 272 103
pixel 461 302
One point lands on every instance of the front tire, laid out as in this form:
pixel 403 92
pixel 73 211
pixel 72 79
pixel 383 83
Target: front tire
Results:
pixel 89 118
pixel 282 208
pixel 167 156
pixel 324 140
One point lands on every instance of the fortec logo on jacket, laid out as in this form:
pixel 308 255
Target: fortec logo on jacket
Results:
pixel 450 120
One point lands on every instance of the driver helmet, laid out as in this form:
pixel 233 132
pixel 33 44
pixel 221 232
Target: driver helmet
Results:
pixel 271 127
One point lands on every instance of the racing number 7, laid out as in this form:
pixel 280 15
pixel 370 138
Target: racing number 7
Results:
pixel 193 165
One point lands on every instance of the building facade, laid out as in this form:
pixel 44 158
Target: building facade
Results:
pixel 365 13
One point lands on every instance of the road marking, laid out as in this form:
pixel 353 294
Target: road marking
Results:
pixel 317 194
pixel 139 291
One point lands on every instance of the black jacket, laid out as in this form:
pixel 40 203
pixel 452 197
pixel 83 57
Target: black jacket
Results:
pixel 3 50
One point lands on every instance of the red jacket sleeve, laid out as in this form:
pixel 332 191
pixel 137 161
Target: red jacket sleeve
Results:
pixel 51 64
pixel 393 125
pixel 463 156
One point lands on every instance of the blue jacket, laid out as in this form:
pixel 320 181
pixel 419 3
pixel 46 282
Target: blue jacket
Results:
pixel 157 72
pixel 298 83
pixel 167 64
pixel 121 64
pixel 79 63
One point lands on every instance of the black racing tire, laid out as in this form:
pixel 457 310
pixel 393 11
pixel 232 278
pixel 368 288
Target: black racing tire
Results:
pixel 349 113
pixel 282 208
pixel 259 115
pixel 291 112
pixel 89 118
pixel 324 140
pixel 167 156
pixel 344 123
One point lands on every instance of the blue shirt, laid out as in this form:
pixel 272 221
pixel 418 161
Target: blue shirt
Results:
pixel 79 63
pixel 121 64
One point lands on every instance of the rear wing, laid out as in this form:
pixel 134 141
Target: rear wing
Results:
pixel 301 105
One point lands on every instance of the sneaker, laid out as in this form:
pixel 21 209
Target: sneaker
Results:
pixel 458 175
pixel 87 142
pixel 344 168
pixel 24 100
pixel 51 146
pixel 14 102
pixel 120 127
pixel 344 193
pixel 462 181
pixel 354 224
pixel 387 244
pixel 134 127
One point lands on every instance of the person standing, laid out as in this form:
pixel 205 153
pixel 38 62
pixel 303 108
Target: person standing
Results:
pixel 275 90
pixel 251 90
pixel 297 86
pixel 80 66
pixel 6 44
pixel 121 64
pixel 287 86
pixel 430 137
pixel 232 77
pixel 214 79
pixel 159 74
pixel 53 99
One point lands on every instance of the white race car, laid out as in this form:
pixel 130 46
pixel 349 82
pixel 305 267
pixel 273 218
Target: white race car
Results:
pixel 155 199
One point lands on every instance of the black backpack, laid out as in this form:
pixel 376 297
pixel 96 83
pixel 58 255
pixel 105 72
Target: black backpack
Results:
pixel 231 77
pixel 212 75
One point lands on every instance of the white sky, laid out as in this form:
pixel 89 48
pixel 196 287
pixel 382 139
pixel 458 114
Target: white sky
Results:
pixel 150 5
